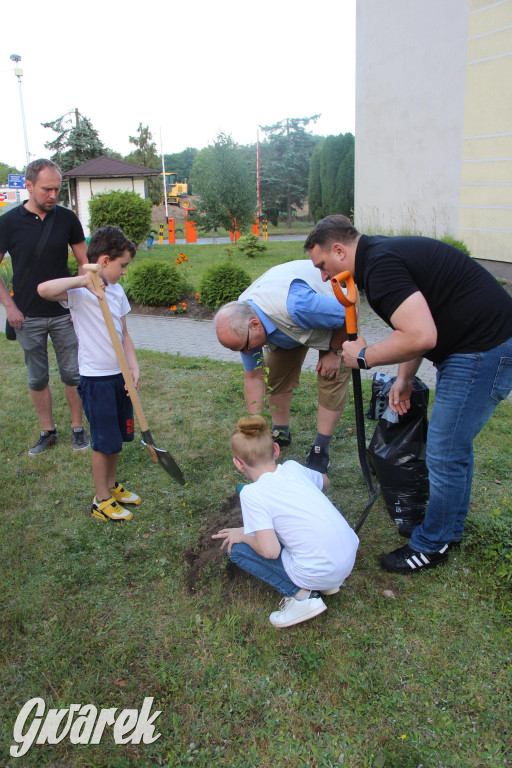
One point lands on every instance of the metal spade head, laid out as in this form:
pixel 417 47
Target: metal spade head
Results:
pixel 163 457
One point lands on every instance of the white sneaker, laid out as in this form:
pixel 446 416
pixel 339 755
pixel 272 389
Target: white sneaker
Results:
pixel 292 611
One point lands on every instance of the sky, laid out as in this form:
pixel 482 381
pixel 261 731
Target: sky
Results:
pixel 187 70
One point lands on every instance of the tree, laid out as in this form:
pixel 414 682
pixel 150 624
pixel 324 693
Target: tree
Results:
pixel 314 185
pixel 331 177
pixel 125 209
pixel 284 164
pixel 223 181
pixel 77 141
pixel 5 170
pixel 145 154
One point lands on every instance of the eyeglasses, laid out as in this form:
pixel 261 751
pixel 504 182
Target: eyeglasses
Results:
pixel 245 348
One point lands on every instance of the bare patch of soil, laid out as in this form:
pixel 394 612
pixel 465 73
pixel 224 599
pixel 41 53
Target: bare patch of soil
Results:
pixel 207 552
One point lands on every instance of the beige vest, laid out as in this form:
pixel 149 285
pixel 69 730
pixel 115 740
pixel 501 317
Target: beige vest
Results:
pixel 270 292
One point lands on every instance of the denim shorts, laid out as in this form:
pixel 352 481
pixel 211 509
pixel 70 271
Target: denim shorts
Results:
pixel 109 411
pixel 33 337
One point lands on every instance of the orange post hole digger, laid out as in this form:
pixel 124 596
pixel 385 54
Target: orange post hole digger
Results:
pixel 157 454
pixel 349 302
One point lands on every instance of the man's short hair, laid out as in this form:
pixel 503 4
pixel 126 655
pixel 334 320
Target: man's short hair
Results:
pixel 36 166
pixel 332 229
pixel 110 241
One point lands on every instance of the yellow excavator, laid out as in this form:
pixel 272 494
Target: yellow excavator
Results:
pixel 176 191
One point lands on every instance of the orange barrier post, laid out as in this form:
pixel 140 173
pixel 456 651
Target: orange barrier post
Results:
pixel 171 231
pixel 256 227
pixel 190 228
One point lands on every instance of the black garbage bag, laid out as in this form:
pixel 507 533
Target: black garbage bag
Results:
pixel 397 453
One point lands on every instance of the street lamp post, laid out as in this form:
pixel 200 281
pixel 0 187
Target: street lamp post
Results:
pixel 19 73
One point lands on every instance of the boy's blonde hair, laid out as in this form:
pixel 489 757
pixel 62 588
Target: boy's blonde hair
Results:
pixel 251 441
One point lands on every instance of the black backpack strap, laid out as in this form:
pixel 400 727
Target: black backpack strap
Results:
pixel 43 239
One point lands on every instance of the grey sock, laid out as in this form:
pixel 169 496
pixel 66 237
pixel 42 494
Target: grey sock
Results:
pixel 323 441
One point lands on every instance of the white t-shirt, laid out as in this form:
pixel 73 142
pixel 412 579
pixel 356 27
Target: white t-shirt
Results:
pixel 319 545
pixel 96 355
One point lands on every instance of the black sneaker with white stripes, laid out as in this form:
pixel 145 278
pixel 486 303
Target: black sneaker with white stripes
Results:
pixel 407 560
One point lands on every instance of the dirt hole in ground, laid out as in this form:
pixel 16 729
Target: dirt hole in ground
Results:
pixel 206 553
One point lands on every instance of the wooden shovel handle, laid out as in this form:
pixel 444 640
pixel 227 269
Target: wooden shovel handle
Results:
pixel 349 301
pixel 118 347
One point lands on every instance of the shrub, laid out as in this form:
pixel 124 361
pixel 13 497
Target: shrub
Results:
pixel 222 283
pixel 6 272
pixel 460 244
pixel 250 245
pixel 126 210
pixel 73 266
pixel 154 283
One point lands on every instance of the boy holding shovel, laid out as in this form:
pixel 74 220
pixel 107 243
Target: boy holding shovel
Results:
pixel 101 389
pixel 293 538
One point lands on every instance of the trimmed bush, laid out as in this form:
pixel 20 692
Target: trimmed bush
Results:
pixel 154 283
pixel 251 246
pixel 460 244
pixel 222 283
pixel 126 210
pixel 73 266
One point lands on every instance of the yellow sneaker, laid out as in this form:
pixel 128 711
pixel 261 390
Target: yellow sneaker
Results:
pixel 125 497
pixel 110 510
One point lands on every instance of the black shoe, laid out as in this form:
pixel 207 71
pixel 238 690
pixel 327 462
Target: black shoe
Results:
pixel 407 560
pixel 317 458
pixel 47 438
pixel 281 438
pixel 80 439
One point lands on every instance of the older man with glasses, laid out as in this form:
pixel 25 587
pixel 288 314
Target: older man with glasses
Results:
pixel 286 312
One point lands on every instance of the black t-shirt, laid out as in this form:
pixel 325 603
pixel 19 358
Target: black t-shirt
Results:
pixel 471 310
pixel 20 231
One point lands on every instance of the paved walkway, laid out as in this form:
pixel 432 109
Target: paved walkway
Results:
pixel 196 338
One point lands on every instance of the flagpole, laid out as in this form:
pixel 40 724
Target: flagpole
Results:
pixel 258 170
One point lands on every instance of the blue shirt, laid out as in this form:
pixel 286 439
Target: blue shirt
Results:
pixel 306 308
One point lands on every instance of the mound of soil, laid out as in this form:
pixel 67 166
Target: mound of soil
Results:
pixel 195 310
pixel 207 551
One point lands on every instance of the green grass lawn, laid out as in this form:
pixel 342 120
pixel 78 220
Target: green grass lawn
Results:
pixel 399 672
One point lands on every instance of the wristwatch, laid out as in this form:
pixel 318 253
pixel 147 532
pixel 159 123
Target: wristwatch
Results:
pixel 361 360
pixel 338 352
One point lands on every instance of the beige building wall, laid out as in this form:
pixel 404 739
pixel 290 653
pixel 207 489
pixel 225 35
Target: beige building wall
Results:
pixel 485 219
pixel 434 121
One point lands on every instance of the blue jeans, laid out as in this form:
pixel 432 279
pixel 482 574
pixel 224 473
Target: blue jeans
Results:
pixel 270 571
pixel 468 389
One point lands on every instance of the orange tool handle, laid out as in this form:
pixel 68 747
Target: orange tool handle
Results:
pixel 349 301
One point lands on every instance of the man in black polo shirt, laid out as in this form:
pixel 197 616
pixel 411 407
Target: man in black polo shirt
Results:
pixel 445 307
pixel 41 225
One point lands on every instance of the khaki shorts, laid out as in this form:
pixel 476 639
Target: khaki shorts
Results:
pixel 284 375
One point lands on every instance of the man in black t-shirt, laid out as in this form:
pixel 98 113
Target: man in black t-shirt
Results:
pixel 23 230
pixel 441 305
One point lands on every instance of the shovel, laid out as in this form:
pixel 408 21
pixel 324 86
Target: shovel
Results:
pixel 349 302
pixel 157 454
